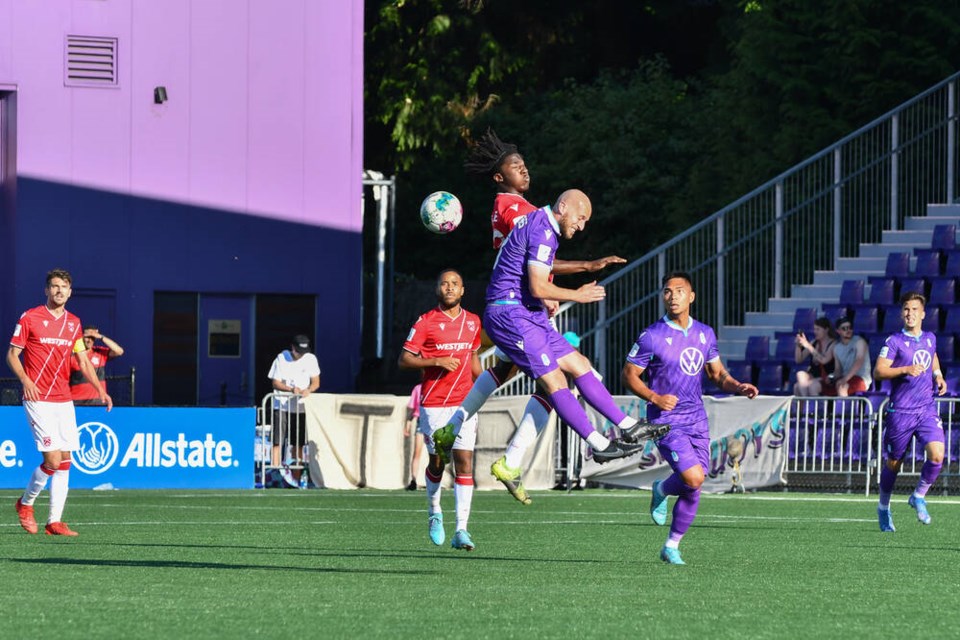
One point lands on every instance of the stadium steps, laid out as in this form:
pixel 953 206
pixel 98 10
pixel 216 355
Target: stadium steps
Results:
pixel 872 259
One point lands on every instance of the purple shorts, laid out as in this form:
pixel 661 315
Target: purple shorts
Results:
pixel 685 449
pixel 901 426
pixel 526 337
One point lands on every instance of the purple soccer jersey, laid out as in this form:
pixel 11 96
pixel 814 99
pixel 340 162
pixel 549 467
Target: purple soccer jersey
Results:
pixel 910 393
pixel 534 240
pixel 674 359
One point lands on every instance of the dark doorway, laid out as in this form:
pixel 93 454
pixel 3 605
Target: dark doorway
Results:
pixel 278 319
pixel 175 348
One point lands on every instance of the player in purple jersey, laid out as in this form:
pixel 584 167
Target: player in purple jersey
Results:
pixel 909 360
pixel 517 322
pixel 675 351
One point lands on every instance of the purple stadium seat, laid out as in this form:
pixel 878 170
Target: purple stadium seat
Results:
pixel 786 349
pixel 912 284
pixel 944 237
pixel 882 291
pixel 953 264
pixel 943 291
pixel 834 311
pixel 951 323
pixel 851 292
pixel 866 319
pixel 932 320
pixel 946 349
pixel 892 319
pixel 803 320
pixel 898 265
pixel 740 370
pixel 758 349
pixel 874 344
pixel 770 378
pixel 928 263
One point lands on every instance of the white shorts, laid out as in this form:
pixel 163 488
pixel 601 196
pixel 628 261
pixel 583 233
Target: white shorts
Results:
pixel 433 418
pixel 54 425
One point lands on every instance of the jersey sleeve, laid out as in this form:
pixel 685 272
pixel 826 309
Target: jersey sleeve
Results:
pixel 713 354
pixel 888 350
pixel 641 353
pixel 542 248
pixel 416 337
pixel 20 333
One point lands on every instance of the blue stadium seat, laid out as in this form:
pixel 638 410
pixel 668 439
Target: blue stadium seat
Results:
pixel 803 320
pixel 943 291
pixel 866 319
pixel 898 265
pixel 758 349
pixel 741 370
pixel 874 344
pixel 946 350
pixel 944 237
pixel 770 378
pixel 851 292
pixel 928 263
pixel 932 320
pixel 882 291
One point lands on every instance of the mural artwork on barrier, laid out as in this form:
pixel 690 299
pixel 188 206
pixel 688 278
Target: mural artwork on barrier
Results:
pixel 142 448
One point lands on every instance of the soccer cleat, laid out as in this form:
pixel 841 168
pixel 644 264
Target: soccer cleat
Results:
pixel 616 449
pixel 412 486
pixel 435 526
pixel 461 540
pixel 27 521
pixel 671 555
pixel 886 519
pixel 288 478
pixel 658 505
pixel 643 431
pixel 59 529
pixel 510 478
pixel 920 504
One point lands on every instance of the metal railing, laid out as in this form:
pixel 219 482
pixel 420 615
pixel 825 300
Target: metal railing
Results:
pixel 280 444
pixel 779 234
pixel 121 387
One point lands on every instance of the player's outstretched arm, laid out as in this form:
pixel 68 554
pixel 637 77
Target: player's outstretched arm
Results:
pixel 566 267
pixel 542 288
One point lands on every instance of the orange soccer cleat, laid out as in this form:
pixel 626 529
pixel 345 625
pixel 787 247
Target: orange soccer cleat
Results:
pixel 60 529
pixel 27 521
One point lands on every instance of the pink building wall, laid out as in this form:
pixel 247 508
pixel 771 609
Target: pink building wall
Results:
pixel 264 115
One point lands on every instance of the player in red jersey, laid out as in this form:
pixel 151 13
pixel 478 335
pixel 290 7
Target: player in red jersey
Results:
pixel 48 336
pixel 504 164
pixel 443 344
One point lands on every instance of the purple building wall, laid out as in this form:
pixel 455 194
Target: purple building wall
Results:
pixel 245 182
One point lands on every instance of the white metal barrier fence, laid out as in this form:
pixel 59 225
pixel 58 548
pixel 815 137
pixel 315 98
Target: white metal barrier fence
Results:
pixel 949 411
pixel 281 440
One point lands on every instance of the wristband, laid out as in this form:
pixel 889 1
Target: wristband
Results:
pixel 937 373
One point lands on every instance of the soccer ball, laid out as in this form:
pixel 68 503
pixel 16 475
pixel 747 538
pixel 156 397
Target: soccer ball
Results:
pixel 441 212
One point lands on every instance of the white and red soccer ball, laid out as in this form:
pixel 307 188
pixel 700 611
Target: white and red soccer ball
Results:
pixel 441 212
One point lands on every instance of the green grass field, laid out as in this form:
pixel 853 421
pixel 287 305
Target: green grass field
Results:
pixel 357 564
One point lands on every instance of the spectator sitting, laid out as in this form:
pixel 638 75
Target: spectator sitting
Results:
pixel 851 359
pixel 816 379
pixel 82 391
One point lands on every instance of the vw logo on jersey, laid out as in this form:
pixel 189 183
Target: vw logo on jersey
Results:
pixel 691 361
pixel 922 358
pixel 98 450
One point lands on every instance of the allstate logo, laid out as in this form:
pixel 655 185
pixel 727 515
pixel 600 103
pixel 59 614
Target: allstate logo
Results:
pixel 922 358
pixel 98 450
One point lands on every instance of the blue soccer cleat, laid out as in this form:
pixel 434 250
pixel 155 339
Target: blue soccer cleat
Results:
pixel 461 540
pixel 658 505
pixel 886 519
pixel 920 504
pixel 435 525
pixel 671 555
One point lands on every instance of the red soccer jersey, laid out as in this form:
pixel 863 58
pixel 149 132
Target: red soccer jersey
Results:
pixel 80 389
pixel 434 335
pixel 48 343
pixel 507 207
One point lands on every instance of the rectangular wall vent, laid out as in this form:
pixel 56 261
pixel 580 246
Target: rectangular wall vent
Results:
pixel 90 61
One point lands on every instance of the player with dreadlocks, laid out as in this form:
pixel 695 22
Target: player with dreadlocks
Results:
pixel 504 164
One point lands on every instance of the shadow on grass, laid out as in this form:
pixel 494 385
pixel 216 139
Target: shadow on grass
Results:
pixel 179 564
